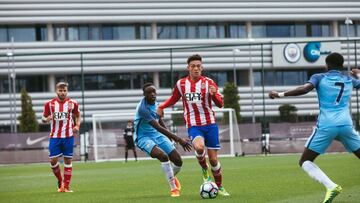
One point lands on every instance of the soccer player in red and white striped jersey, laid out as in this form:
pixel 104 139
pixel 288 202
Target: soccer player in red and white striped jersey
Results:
pixel 197 93
pixel 60 112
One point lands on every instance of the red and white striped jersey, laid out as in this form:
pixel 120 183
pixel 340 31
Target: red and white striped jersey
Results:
pixel 196 100
pixel 61 112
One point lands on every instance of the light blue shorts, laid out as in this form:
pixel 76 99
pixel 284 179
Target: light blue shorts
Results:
pixel 146 143
pixel 320 140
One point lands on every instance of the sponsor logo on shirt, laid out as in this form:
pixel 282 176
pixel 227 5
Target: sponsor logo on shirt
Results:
pixel 193 97
pixel 60 115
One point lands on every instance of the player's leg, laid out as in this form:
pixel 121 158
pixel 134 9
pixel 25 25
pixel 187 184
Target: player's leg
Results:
pixel 316 145
pixel 198 142
pixel 350 139
pixel 357 153
pixel 212 143
pixel 135 155
pixel 54 153
pixel 131 146
pixel 68 154
pixel 126 152
pixel 176 163
pixel 166 167
pixel 176 160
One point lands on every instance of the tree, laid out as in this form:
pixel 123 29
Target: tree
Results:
pixel 288 113
pixel 231 100
pixel 28 122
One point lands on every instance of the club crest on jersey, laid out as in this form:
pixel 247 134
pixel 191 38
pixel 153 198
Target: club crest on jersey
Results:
pixel 60 115
pixel 203 85
pixel 193 97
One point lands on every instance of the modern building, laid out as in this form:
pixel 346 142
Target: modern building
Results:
pixel 120 44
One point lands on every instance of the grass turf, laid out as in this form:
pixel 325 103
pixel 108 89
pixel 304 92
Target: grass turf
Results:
pixel 248 179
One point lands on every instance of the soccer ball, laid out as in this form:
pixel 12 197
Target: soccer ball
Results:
pixel 208 190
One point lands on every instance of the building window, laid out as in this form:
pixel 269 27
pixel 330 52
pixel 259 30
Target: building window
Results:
pixel 291 29
pixel 102 32
pixel 199 31
pixel 354 29
pixel 281 77
pixel 112 81
pixel 24 33
pixel 236 30
pixel 29 83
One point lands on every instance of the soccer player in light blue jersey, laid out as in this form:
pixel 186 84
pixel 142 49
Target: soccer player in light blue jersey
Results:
pixel 149 137
pixel 334 121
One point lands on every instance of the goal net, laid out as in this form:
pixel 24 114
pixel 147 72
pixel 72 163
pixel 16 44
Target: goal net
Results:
pixel 108 144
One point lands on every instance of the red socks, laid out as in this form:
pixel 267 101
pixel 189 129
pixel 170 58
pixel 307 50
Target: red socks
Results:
pixel 67 174
pixel 57 172
pixel 216 171
pixel 202 160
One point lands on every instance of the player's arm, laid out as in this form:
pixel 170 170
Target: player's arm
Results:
pixel 46 116
pixel 162 123
pixel 301 90
pixel 77 114
pixel 216 97
pixel 169 102
pixel 184 143
pixel 356 81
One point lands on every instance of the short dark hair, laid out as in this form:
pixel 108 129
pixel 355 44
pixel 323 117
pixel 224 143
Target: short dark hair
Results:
pixel 195 57
pixel 147 85
pixel 335 61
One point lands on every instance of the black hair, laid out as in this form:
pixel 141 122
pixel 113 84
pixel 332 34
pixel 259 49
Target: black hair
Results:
pixel 195 57
pixel 147 85
pixel 334 61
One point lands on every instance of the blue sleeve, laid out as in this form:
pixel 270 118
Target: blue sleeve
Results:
pixel 356 83
pixel 145 114
pixel 315 79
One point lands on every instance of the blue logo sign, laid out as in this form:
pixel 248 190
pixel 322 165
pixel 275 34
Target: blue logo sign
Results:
pixel 312 51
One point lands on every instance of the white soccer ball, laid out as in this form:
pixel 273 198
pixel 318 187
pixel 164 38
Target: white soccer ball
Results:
pixel 208 190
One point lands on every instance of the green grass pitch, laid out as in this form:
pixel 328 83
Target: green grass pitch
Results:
pixel 257 179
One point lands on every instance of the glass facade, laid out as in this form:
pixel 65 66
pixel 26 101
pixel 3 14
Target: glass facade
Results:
pixel 284 77
pixel 102 32
pixel 354 29
pixel 113 81
pixel 291 29
pixel 23 33
pixel 29 83
pixel 200 30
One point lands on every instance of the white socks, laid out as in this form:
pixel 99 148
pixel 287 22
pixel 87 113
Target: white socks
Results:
pixel 169 173
pixel 176 169
pixel 316 173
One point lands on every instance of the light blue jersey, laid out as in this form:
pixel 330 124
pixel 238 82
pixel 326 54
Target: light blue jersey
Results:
pixel 334 121
pixel 146 137
pixel 334 93
pixel 145 113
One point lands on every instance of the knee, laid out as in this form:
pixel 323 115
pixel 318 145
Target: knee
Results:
pixel 213 161
pixel 177 161
pixel 53 162
pixel 199 149
pixel 162 157
pixel 301 162
pixel 67 161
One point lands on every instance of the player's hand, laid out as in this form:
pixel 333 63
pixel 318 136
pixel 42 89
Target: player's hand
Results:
pixel 185 143
pixel 274 94
pixel 355 72
pixel 76 130
pixel 160 112
pixel 46 119
pixel 212 90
